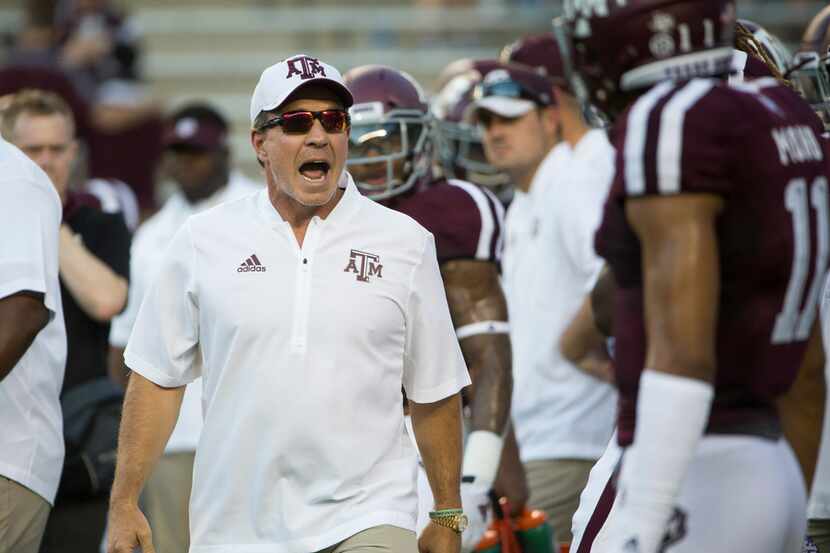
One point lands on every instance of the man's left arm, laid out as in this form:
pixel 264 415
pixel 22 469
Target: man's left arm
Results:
pixel 681 280
pixel 97 279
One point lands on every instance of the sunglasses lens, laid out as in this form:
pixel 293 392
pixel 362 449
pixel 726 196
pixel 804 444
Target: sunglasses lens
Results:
pixel 297 122
pixel 334 121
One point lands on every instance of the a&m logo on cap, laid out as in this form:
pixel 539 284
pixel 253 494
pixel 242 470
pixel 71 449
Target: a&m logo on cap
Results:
pixel 305 67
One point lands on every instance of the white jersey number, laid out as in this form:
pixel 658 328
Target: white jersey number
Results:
pixel 792 323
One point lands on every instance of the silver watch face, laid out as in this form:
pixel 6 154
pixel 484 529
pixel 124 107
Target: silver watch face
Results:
pixel 463 522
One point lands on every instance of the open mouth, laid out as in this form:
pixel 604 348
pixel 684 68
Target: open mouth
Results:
pixel 315 170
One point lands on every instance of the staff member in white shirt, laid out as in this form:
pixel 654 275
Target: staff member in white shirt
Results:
pixel 563 418
pixel 305 308
pixel 32 351
pixel 198 161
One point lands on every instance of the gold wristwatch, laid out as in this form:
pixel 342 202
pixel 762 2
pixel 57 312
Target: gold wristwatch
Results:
pixel 454 519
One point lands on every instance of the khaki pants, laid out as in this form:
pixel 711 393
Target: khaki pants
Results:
pixel 166 500
pixel 23 516
pixel 819 531
pixel 380 539
pixel 555 485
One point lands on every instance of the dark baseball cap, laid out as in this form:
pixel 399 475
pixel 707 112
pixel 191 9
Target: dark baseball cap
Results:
pixel 196 126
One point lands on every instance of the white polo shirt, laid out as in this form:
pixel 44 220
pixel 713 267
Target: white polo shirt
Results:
pixel 558 411
pixel 148 247
pixel 303 353
pixel 31 426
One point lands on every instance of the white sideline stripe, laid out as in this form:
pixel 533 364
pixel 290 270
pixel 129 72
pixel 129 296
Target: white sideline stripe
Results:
pixel 485 237
pixel 499 220
pixel 670 139
pixel 635 138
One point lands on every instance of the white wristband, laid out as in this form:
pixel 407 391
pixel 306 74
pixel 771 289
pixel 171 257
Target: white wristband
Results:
pixel 672 412
pixel 482 327
pixel 481 458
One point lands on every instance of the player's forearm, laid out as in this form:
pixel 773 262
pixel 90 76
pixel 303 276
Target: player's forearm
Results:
pixel 22 317
pixel 99 290
pixel 438 433
pixel 489 358
pixel 149 415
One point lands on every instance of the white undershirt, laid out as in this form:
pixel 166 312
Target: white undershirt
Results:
pixel 31 426
pixel 303 353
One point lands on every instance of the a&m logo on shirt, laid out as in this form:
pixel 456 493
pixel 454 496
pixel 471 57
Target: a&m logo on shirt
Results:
pixel 305 67
pixel 364 265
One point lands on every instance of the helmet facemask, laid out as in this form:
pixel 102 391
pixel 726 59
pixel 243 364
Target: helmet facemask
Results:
pixel 811 78
pixel 388 152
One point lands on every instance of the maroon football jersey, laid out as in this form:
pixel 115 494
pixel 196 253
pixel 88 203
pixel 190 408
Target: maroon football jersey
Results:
pixel 465 219
pixel 758 146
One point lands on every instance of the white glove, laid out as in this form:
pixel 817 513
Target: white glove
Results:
pixel 476 503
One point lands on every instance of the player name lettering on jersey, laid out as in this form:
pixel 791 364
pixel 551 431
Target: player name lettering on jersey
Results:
pixel 797 144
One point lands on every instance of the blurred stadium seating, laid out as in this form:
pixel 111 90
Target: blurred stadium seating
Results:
pixel 214 49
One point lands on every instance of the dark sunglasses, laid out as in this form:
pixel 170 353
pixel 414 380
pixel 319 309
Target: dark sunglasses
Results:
pixel 511 89
pixel 300 122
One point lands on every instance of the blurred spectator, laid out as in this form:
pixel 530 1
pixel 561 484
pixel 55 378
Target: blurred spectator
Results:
pixel 198 160
pixel 100 43
pixel 114 114
pixel 94 262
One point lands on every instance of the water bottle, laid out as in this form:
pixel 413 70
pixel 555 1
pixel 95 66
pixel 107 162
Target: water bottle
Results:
pixel 490 543
pixel 534 533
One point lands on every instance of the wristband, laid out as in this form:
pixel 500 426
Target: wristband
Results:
pixel 481 458
pixel 483 327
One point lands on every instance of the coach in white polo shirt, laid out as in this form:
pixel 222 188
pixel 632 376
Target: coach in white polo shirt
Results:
pixel 32 351
pixel 305 309
pixel 563 418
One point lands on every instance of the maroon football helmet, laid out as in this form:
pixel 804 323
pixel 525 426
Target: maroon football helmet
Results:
pixel 811 75
pixel 618 48
pixel 460 151
pixel 540 52
pixel 391 135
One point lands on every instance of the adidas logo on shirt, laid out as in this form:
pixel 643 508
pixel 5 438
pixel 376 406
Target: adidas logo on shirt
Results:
pixel 251 265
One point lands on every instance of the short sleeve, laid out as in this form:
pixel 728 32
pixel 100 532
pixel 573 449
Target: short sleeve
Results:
pixel 434 367
pixel 30 218
pixel 164 343
pixel 677 140
pixel 122 324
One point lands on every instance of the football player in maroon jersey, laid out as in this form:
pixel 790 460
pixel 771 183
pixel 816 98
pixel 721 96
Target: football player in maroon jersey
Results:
pixel 460 153
pixel 716 232
pixel 390 160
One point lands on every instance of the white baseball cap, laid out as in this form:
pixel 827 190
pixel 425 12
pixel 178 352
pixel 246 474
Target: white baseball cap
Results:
pixel 505 107
pixel 282 79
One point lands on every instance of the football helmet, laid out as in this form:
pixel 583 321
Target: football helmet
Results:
pixel 617 48
pixel 458 142
pixel 540 52
pixel 811 66
pixel 391 135
pixel 756 40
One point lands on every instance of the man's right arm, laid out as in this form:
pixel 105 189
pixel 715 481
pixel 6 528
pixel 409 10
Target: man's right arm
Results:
pixel 22 316
pixel 150 413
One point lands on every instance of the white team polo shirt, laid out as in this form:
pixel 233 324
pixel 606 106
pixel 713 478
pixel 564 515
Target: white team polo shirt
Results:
pixel 303 353
pixel 558 411
pixel 31 426
pixel 147 250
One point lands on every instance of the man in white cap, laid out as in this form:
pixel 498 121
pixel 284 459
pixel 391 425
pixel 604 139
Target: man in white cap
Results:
pixel 305 309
